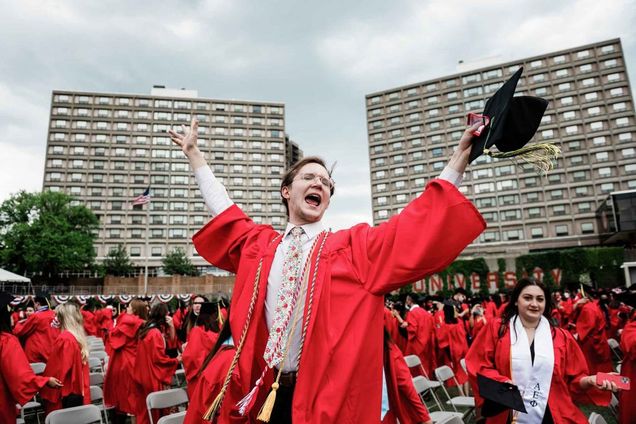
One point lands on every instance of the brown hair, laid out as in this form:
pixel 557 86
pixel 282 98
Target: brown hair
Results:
pixel 291 173
pixel 139 308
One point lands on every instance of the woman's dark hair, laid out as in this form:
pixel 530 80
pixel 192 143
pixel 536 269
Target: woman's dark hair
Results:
pixel 511 308
pixel 190 320
pixel 156 319
pixel 5 320
pixel 208 321
pixel 449 314
pixel 224 334
pixel 291 173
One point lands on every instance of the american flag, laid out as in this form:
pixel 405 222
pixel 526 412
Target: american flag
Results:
pixel 142 199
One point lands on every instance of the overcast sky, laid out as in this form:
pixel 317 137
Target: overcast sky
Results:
pixel 320 60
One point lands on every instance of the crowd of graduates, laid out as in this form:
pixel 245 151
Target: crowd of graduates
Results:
pixel 146 344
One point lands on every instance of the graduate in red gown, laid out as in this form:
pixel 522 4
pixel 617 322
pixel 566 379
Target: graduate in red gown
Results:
pixel 421 341
pixel 404 404
pixel 104 321
pixel 190 318
pixel 453 345
pixel 153 368
pixel 36 333
pixel 398 334
pixel 68 362
pixel 545 362
pixel 627 398
pixel 210 378
pixel 347 275
pixel 90 325
pixel 591 336
pixel 201 340
pixel 477 320
pixel 18 383
pixel 118 385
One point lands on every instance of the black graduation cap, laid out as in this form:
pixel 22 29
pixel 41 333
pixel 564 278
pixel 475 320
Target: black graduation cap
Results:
pixel 498 396
pixel 5 299
pixel 208 308
pixel 509 123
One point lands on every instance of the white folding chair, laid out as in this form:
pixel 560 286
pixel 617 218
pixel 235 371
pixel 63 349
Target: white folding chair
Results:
pixel 165 399
pixel 85 414
pixel 38 367
pixel 95 364
pixel 176 418
pixel 96 379
pixel 596 419
pixel 613 344
pixel 450 420
pixel 618 367
pixel 422 385
pixel 97 399
pixel 613 406
pixel 99 354
pixel 444 374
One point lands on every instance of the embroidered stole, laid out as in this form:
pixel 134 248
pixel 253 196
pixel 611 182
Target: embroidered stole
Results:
pixel 533 380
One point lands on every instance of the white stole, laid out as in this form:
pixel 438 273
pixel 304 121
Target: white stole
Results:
pixel 533 380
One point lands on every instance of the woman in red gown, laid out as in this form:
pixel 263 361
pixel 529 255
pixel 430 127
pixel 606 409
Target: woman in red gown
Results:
pixel 545 362
pixel 18 383
pixel 201 340
pixel 68 362
pixel 453 345
pixel 627 398
pixel 118 386
pixel 153 368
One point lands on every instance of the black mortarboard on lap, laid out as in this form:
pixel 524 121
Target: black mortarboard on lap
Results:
pixel 498 396
pixel 509 123
pixel 5 299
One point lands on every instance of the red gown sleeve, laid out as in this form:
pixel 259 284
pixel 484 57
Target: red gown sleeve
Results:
pixel 65 364
pixel 125 330
pixel 585 322
pixel 480 358
pixel 163 367
pixel 24 329
pixel 424 238
pixel 575 370
pixel 16 371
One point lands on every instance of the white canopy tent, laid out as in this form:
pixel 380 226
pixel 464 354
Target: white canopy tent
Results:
pixel 9 277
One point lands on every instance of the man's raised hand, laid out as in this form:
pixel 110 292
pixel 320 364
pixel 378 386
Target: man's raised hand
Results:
pixel 188 140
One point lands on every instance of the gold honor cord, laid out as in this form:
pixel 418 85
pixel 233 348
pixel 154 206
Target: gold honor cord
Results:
pixel 541 155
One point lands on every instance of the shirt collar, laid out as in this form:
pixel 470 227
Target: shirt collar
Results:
pixel 312 230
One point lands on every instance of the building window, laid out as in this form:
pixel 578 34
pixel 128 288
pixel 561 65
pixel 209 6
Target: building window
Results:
pixel 536 232
pixel 587 227
pixel 561 230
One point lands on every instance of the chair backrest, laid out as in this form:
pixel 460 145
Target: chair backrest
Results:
pixel 412 361
pixel 444 373
pixel 38 367
pixel 84 414
pixel 96 378
pixel 99 354
pixel 451 419
pixel 94 362
pixel 596 419
pixel 97 394
pixel 612 343
pixel 166 398
pixel 176 418
pixel 462 362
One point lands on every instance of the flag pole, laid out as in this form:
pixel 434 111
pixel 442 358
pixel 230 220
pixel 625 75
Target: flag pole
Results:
pixel 147 249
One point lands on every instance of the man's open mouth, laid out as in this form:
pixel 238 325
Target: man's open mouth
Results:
pixel 313 199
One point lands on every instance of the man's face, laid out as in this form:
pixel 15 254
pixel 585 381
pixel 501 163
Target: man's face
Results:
pixel 307 198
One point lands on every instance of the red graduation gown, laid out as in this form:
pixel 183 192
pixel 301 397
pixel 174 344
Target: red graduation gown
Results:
pixel 590 326
pixel 478 325
pixel 358 266
pixel 118 386
pixel 452 342
pixel 200 343
pixel 489 355
pixel 208 386
pixel 104 322
pixel 393 327
pixel 627 398
pixel 153 371
pixel 89 323
pixel 65 364
pixel 421 338
pixel 405 404
pixel 37 335
pixel 18 383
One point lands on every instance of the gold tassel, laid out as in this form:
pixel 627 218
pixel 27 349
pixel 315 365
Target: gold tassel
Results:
pixel 219 315
pixel 540 155
pixel 212 410
pixel 266 411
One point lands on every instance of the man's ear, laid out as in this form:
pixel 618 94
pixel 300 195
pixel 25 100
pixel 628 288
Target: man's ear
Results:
pixel 285 192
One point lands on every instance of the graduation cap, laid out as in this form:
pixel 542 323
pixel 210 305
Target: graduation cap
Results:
pixel 509 123
pixel 498 396
pixel 5 300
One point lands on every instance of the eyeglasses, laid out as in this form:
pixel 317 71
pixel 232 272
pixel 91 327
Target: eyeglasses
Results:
pixel 310 176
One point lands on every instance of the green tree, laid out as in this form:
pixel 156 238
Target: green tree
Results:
pixel 45 232
pixel 117 262
pixel 177 263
